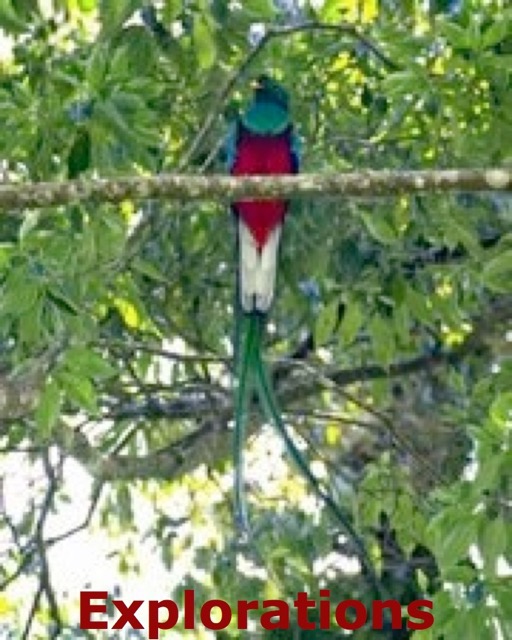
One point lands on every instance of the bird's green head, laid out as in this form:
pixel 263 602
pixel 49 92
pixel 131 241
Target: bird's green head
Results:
pixel 266 89
pixel 268 113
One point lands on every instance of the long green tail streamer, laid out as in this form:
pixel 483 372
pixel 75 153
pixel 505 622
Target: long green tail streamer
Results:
pixel 252 373
pixel 270 406
pixel 245 344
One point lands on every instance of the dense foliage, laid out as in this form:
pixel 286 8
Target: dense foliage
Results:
pixel 389 341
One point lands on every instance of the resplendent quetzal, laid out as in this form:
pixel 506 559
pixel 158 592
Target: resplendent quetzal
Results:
pixel 262 141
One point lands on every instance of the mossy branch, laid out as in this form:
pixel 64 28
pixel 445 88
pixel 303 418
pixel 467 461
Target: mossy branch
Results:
pixel 359 184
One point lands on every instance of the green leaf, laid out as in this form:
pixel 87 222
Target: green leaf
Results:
pixel 30 222
pixel 379 227
pixel 457 36
pixel 326 322
pixel 501 591
pixel 259 9
pixel 501 410
pixel 456 544
pixel 402 324
pixel 48 408
pixel 493 542
pixel 351 322
pixel 9 18
pixel 86 362
pixel 114 13
pixel 503 378
pixel 452 531
pixel 18 297
pixel 444 610
pixel 220 11
pixel 206 49
pixel 403 82
pixel 456 231
pixel 79 390
pixel 497 32
pixel 30 323
pixel 87 5
pixel 115 121
pixel 127 103
pixel 497 273
pixel 460 573
pixel 383 338
pixel 331 11
pixel 135 55
pixel 418 304
pixel 97 66
pixel 489 470
pixel 149 270
pixel 62 300
pixel 476 624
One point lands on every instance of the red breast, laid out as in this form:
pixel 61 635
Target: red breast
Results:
pixel 259 156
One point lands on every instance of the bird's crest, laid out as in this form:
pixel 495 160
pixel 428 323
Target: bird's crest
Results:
pixel 268 112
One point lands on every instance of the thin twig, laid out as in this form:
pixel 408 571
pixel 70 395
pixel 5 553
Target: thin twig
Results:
pixel 133 347
pixel 329 416
pixel 273 34
pixel 32 613
pixel 40 548
pixel 95 496
pixel 367 408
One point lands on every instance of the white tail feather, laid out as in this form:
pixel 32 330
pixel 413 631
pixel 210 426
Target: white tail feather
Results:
pixel 257 269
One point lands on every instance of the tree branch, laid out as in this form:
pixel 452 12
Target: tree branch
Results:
pixel 39 548
pixel 30 549
pixel 209 442
pixel 361 184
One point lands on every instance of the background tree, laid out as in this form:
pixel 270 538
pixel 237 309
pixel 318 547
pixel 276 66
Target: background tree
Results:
pixel 390 340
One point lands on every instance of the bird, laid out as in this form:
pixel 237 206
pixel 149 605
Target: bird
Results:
pixel 263 141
